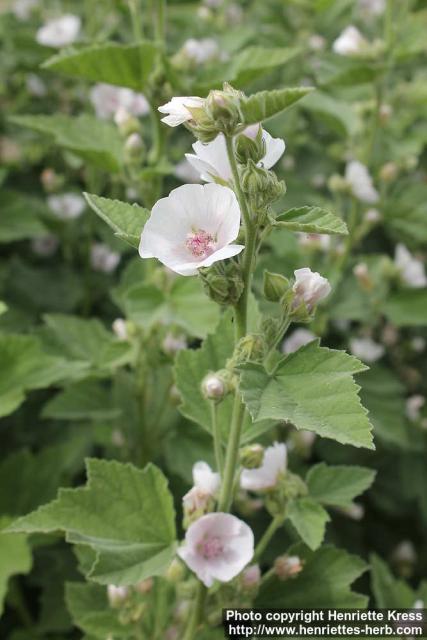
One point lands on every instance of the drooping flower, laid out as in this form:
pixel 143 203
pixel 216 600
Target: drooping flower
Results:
pixel 309 288
pixel 211 159
pixel 366 349
pixel 176 109
pixel 59 32
pixel 192 228
pixel 266 476
pixel 360 182
pixel 350 42
pixel 217 546
pixel 206 485
pixel 297 339
pixel 102 258
pixel 411 269
pixel 108 99
pixel 66 206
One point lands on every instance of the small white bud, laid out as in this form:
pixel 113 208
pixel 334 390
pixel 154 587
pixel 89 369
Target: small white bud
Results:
pixel 116 595
pixel 213 388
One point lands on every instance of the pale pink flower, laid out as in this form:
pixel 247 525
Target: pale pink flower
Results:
pixel 297 339
pixel 360 182
pixel 176 109
pixel 217 546
pixel 59 32
pixel 350 42
pixel 267 475
pixel 66 206
pixel 108 100
pixel 251 576
pixel 366 349
pixel 211 159
pixel 309 288
pixel 192 228
pixel 102 258
pixel 411 269
pixel 206 485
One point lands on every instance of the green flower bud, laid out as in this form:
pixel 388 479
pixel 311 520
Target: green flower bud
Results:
pixel 251 457
pixel 126 122
pixel 250 347
pixel 261 185
pixel 275 285
pixel 250 146
pixel 337 184
pixel 223 282
pixel 175 572
pixel 223 107
pixel 134 149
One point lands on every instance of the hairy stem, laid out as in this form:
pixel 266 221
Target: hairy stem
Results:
pixel 217 437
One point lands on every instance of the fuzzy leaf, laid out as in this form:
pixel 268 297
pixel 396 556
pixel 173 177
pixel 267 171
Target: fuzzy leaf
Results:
pixel 125 514
pixel 110 62
pixel 309 519
pixel 15 558
pixel 126 220
pixel 266 104
pixel 313 389
pixel 311 220
pixel 338 485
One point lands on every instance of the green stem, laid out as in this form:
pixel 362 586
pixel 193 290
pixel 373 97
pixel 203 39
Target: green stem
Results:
pixel 197 613
pixel 135 14
pixel 231 455
pixel 217 437
pixel 160 21
pixel 268 534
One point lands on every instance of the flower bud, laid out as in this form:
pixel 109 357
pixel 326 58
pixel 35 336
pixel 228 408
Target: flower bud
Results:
pixel 224 284
pixel 175 572
pixel 275 285
pixel 250 145
pixel 119 327
pixel 261 185
pixel 251 347
pixel 286 567
pixel 173 343
pixel 134 147
pixel 214 387
pixel 116 595
pixel 361 272
pixel 250 578
pixel 223 107
pixel 337 184
pixel 251 457
pixel 127 123
pixel 145 586
pixel 309 289
pixel 389 172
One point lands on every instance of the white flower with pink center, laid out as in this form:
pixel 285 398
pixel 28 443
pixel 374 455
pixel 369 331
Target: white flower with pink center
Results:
pixel 218 546
pixel 177 112
pixel 192 228
pixel 267 475
pixel 211 159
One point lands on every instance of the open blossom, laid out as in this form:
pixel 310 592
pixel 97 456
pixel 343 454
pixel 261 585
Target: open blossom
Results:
pixel 217 547
pixel 176 109
pixel 297 339
pixel 201 51
pixel 102 258
pixel 66 206
pixel 212 162
pixel 59 32
pixel 350 42
pixel 206 485
pixel 107 100
pixel 309 288
pixel 411 270
pixel 358 178
pixel 193 227
pixel 366 349
pixel 266 476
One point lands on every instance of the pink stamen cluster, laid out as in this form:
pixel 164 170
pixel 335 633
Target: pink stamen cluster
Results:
pixel 210 547
pixel 200 243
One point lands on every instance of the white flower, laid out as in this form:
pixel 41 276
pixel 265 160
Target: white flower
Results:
pixel 102 258
pixel 116 595
pixel 45 246
pixel 414 404
pixel 186 173
pixel 350 42
pixel 173 343
pixel 201 51
pixel 59 32
pixel 314 241
pixel 22 9
pixel 66 206
pixel 411 270
pixel 193 227
pixel 372 7
pixel 212 162
pixel 108 99
pixel 217 547
pixel 176 109
pixel 266 476
pixel 119 327
pixel 366 349
pixel 206 485
pixel 310 287
pixel 297 339
pixel 360 182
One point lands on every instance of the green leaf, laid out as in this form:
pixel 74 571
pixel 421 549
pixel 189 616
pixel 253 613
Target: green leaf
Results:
pixel 110 62
pixel 96 141
pixel 343 71
pixel 266 104
pixel 336 114
pixel 125 514
pixel 91 612
pixel 126 220
pixel 313 389
pixel 25 366
pixel 337 486
pixel 389 592
pixel 15 558
pixel 407 308
pixel 324 582
pixel 87 400
pixel 311 220
pixel 19 217
pixel 309 519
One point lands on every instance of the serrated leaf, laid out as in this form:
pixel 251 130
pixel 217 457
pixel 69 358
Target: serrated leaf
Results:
pixel 15 558
pixel 125 514
pixel 266 104
pixel 389 592
pixel 311 220
pixel 323 583
pixel 407 308
pixel 96 141
pixel 110 62
pixel 313 389
pixel 87 400
pixel 90 610
pixel 338 485
pixel 309 519
pixel 126 220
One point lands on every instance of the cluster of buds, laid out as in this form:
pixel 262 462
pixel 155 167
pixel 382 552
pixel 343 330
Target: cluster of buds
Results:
pixel 261 185
pixel 223 282
pixel 128 601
